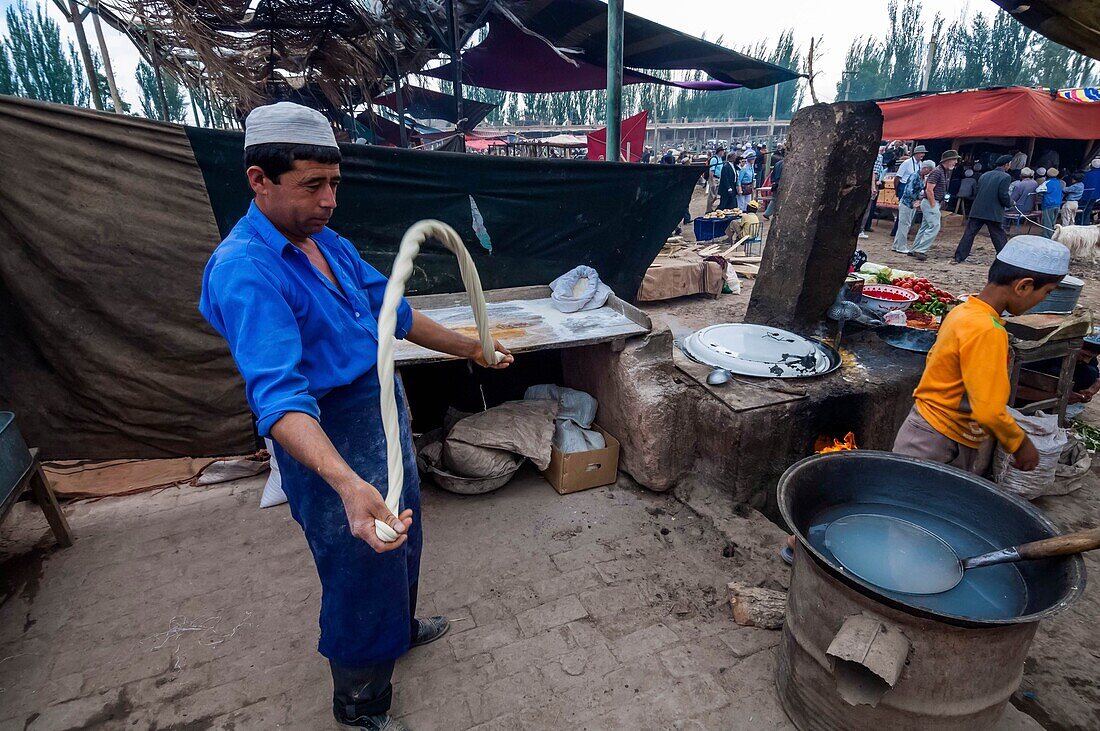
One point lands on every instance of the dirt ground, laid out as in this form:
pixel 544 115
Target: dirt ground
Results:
pixel 961 279
pixel 192 608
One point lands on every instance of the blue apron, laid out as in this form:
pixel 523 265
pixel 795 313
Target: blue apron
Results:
pixel 365 601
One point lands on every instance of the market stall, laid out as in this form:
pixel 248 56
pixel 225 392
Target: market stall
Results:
pixel 983 123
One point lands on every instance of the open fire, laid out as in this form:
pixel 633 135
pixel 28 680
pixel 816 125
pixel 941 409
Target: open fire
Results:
pixel 825 444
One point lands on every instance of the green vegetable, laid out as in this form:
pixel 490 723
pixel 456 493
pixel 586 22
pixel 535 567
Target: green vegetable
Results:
pixel 1089 435
pixel 885 275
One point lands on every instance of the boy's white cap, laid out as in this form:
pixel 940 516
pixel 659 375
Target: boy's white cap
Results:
pixel 288 122
pixel 1036 254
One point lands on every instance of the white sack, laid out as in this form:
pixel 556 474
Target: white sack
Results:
pixel 1049 439
pixel 579 289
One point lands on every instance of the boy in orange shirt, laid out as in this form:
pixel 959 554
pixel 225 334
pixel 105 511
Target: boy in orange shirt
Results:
pixel 962 398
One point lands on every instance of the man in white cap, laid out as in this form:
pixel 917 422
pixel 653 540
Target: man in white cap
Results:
pixel 1021 196
pixel 961 402
pixel 906 171
pixel 299 309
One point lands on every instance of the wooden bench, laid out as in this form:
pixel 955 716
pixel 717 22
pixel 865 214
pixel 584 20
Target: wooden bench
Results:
pixel 35 479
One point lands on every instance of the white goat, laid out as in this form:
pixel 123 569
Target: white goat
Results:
pixel 1082 241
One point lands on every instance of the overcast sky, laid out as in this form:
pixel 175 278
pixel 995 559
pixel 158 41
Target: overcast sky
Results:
pixel 839 24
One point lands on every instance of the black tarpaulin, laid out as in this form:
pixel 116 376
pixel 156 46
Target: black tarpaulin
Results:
pixel 582 24
pixel 544 217
pixel 428 104
pixel 105 228
pixel 107 220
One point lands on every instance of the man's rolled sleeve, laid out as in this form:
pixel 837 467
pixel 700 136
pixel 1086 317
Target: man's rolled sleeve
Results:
pixel 374 284
pixel 249 310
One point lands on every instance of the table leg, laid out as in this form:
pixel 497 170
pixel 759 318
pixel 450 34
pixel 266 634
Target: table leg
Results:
pixel 44 495
pixel 1065 385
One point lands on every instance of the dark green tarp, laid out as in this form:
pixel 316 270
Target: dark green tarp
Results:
pixel 544 216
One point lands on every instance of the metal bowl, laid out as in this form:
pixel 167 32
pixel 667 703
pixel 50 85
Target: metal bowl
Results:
pixel 428 449
pixel 913 339
pixel 880 306
pixel 825 481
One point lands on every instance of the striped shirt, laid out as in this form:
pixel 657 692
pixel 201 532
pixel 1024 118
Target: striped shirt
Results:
pixel 938 178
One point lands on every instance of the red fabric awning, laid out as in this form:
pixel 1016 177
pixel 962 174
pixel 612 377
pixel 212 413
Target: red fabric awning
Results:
pixel 1009 112
pixel 631 137
pixel 480 144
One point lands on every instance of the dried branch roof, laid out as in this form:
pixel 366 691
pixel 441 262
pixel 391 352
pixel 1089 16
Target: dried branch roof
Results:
pixel 253 50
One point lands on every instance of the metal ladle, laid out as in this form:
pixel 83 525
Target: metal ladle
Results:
pixel 913 560
pixel 842 311
pixel 718 376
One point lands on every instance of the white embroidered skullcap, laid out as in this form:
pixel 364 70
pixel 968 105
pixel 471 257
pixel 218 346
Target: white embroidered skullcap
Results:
pixel 1036 254
pixel 287 123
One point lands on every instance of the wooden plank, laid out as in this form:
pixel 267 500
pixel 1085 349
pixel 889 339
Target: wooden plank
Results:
pixel 749 271
pixel 532 324
pixel 742 393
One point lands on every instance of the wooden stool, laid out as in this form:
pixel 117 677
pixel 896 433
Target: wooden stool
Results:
pixel 1066 350
pixel 36 480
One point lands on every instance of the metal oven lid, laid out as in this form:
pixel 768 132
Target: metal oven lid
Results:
pixel 757 350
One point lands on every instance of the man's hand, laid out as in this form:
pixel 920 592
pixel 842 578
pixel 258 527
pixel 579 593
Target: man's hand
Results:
pixel 427 333
pixel 1026 457
pixel 363 505
pixel 477 356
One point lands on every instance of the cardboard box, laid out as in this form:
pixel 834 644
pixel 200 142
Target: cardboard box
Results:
pixel 583 470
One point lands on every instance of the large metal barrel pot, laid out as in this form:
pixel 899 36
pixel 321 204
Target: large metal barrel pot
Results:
pixel 854 657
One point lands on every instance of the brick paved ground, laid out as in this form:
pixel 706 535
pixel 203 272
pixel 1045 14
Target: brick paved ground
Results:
pixel 193 609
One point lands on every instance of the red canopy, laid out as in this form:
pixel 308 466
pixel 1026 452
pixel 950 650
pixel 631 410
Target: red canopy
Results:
pixel 1010 112
pixel 631 137
pixel 480 144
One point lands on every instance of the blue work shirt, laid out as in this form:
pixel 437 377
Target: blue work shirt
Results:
pixel 1053 197
pixel 746 175
pixel 1092 185
pixel 294 335
pixel 716 166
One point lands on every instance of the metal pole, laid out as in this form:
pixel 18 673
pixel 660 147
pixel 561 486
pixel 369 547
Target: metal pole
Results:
pixel 399 96
pixel 85 53
pixel 116 98
pixel 156 74
pixel 771 119
pixel 926 75
pixel 403 139
pixel 613 114
pixel 456 64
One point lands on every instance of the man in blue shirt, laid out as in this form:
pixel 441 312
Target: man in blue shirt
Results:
pixel 1053 193
pixel 299 309
pixel 714 175
pixel 1092 190
pixel 746 178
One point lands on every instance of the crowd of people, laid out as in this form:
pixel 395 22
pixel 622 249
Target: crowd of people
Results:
pixel 1004 192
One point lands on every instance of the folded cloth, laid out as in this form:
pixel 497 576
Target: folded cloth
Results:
pixel 579 289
